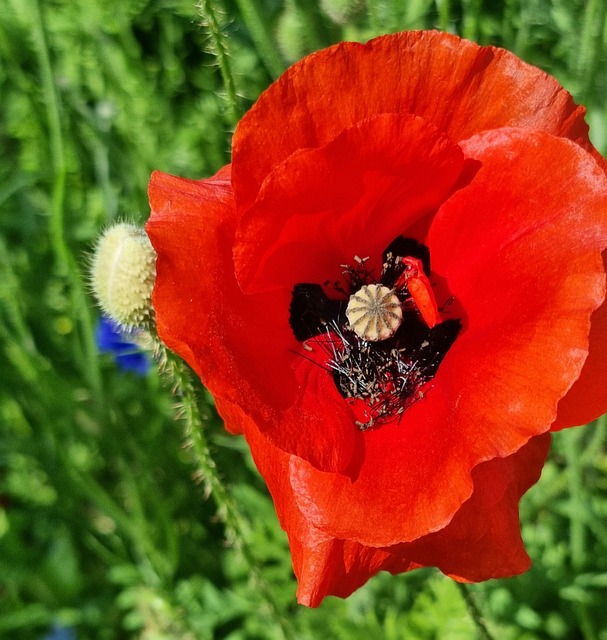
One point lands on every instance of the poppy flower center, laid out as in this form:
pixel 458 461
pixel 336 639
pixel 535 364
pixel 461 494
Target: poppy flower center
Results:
pixel 374 312
pixel 381 339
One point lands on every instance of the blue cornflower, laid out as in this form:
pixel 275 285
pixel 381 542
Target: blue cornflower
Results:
pixel 59 632
pixel 127 354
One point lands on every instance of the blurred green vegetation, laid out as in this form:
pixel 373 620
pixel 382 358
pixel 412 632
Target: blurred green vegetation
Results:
pixel 101 525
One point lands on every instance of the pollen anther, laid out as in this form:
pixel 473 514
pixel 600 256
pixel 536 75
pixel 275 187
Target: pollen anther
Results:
pixel 374 312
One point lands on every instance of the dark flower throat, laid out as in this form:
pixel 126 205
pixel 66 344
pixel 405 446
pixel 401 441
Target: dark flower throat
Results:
pixel 387 375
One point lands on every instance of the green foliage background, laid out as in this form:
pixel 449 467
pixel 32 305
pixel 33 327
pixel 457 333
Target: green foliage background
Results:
pixel 102 526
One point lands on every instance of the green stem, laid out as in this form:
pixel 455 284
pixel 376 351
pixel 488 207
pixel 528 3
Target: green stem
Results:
pixel 375 16
pixel 208 14
pixel 444 14
pixel 56 140
pixel 471 19
pixel 474 611
pixel 257 24
pixel 315 33
pixel 585 621
pixel 152 561
pixel 577 527
pixel 594 448
pixel 591 43
pixel 237 527
pixel 521 40
pixel 507 22
pixel 573 451
pixel 66 264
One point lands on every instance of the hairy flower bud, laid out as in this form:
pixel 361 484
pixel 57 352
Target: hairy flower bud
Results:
pixel 123 271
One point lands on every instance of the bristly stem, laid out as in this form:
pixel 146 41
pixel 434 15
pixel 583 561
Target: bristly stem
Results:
pixel 474 611
pixel 258 27
pixel 238 530
pixel 208 13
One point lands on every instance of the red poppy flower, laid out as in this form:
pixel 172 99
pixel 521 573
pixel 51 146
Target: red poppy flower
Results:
pixel 395 292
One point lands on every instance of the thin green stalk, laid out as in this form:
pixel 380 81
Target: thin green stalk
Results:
pixel 577 527
pixel 374 9
pixel 53 117
pixel 471 19
pixel 474 611
pixel 237 528
pixel 591 44
pixel 587 625
pixel 315 33
pixel 208 14
pixel 573 452
pixel 444 14
pixel 152 560
pixel 12 307
pixel 257 24
pixel 521 40
pixel 66 264
pixel 594 448
pixel 411 14
pixel 507 23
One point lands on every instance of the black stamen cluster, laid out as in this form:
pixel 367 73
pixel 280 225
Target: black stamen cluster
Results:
pixel 388 374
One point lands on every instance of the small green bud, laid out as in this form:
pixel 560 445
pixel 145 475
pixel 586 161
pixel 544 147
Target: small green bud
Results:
pixel 123 270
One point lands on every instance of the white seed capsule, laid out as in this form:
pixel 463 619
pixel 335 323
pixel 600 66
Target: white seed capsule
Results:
pixel 374 312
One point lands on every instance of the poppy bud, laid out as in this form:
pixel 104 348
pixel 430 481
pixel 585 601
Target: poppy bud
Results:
pixel 123 271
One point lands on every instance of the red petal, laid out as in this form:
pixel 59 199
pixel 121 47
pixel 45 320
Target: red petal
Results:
pixel 323 565
pixel 587 398
pixel 481 542
pixel 519 248
pixel 321 207
pixel 454 84
pixel 241 346
pixel 415 475
pixel 529 278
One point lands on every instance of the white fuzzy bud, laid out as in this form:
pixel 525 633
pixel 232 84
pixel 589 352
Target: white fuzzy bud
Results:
pixel 123 271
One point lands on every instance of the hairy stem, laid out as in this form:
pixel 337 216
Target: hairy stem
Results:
pixel 208 13
pixel 474 611
pixel 237 527
pixel 258 27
